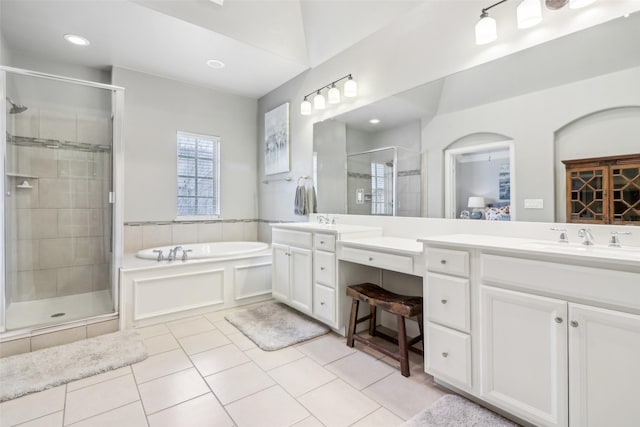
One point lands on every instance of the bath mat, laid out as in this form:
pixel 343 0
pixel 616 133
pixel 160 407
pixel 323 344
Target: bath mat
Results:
pixel 455 411
pixel 273 325
pixel 42 369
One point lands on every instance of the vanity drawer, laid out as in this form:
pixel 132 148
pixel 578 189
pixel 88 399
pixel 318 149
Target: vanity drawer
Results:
pixel 324 303
pixel 447 301
pixel 387 261
pixel 300 239
pixel 325 242
pixel 448 261
pixel 448 355
pixel 325 263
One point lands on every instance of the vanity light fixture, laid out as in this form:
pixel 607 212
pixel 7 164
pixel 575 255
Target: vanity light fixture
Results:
pixel 350 89
pixel 528 13
pixel 76 40
pixel 374 121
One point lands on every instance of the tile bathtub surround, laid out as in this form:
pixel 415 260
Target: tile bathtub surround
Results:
pixel 200 372
pixel 146 235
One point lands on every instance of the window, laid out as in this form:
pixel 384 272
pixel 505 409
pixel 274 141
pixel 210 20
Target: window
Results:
pixel 378 202
pixel 198 176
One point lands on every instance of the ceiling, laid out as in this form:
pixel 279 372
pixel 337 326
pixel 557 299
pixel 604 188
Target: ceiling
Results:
pixel 263 43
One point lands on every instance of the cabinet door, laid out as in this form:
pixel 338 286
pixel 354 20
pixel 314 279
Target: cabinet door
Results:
pixel 301 279
pixel 324 304
pixel 604 367
pixel 523 340
pixel 280 272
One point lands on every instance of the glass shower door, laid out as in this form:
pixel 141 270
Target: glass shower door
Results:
pixel 58 218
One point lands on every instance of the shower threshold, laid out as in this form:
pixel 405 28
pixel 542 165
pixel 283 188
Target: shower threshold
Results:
pixel 51 311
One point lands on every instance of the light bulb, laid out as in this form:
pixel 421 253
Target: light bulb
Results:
pixel 577 4
pixel 333 95
pixel 305 107
pixel 318 101
pixel 529 13
pixel 350 88
pixel 486 31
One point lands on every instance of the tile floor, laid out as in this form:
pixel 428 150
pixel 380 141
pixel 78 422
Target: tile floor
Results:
pixel 202 371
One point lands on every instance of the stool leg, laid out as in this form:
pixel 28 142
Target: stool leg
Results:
pixel 352 322
pixel 372 321
pixel 404 350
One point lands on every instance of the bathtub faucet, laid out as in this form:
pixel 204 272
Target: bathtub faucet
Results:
pixel 173 253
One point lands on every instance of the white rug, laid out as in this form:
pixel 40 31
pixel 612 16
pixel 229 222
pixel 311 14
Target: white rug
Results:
pixel 273 325
pixel 455 411
pixel 50 367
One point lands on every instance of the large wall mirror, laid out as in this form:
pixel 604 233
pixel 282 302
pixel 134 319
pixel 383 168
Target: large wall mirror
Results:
pixel 495 135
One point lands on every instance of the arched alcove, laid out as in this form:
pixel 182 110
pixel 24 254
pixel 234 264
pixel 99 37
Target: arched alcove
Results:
pixel 609 132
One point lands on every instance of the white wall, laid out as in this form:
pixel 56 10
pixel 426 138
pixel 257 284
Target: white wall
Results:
pixel 155 109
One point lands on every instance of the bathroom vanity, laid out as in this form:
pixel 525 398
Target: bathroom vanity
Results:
pixel 305 269
pixel 546 331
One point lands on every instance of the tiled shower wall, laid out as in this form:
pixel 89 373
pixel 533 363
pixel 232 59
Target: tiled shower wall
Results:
pixel 58 231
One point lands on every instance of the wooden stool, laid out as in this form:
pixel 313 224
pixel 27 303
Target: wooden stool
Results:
pixel 400 305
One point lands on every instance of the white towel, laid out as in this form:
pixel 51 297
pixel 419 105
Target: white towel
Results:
pixel 312 201
pixel 300 206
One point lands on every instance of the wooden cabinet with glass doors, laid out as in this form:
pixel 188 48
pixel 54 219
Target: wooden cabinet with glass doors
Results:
pixel 603 190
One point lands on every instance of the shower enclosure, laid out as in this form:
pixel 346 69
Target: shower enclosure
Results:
pixel 61 233
pixel 384 181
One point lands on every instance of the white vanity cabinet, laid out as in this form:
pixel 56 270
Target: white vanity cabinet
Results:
pixel 324 286
pixel 554 338
pixel 292 279
pixel 447 316
pixel 523 339
pixel 604 367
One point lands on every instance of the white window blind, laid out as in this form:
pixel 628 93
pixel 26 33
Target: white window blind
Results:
pixel 198 175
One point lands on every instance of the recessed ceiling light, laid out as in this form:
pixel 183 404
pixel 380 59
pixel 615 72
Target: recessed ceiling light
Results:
pixel 374 121
pixel 220 2
pixel 215 63
pixel 77 40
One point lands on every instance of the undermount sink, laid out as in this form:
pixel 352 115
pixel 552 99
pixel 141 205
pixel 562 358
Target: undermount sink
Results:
pixel 593 250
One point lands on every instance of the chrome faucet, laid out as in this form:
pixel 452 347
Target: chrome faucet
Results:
pixel 160 255
pixel 323 219
pixel 184 254
pixel 563 235
pixel 173 253
pixel 614 240
pixel 587 237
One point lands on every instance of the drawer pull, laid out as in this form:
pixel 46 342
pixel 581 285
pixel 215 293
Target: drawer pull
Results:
pixel 322 242
pixel 445 354
pixel 321 268
pixel 370 258
pixel 321 302
pixel 443 261
pixel 443 301
pixel 558 319
pixel 574 323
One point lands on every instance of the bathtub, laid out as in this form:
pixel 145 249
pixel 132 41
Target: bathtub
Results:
pixel 206 250
pixel 217 276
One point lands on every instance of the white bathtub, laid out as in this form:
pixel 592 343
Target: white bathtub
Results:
pixel 221 275
pixel 206 250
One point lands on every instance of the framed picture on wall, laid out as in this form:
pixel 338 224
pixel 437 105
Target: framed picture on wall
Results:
pixel 276 140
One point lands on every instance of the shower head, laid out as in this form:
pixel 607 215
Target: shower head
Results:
pixel 16 108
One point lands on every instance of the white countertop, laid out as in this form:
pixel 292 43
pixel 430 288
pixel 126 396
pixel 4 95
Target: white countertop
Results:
pixel 624 255
pixel 327 228
pixel 386 244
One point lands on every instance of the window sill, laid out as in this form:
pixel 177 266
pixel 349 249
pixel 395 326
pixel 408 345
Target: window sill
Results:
pixel 198 218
